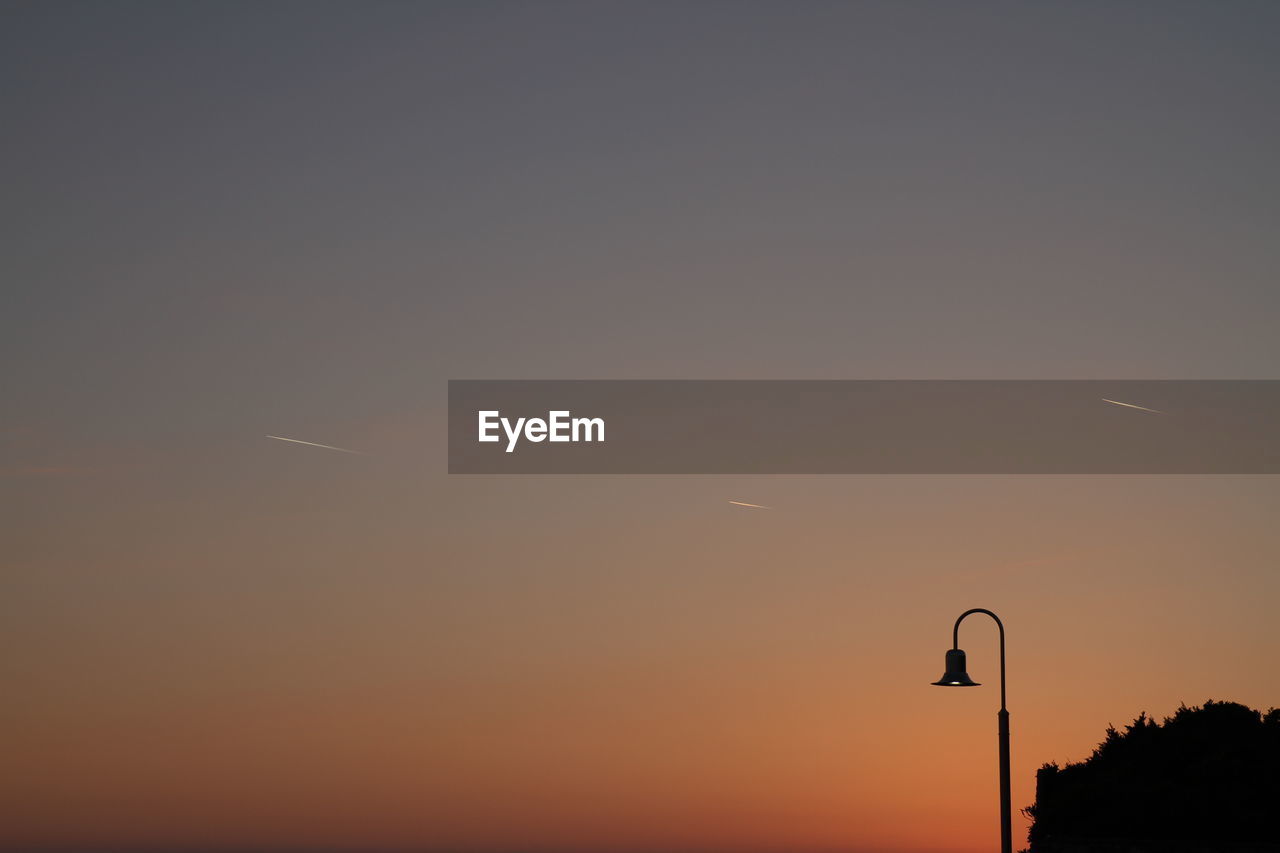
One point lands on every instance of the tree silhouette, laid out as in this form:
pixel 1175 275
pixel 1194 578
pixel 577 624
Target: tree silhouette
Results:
pixel 1206 774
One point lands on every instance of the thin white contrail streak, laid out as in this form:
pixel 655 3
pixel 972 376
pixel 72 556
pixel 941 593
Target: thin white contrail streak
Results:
pixel 753 506
pixel 313 444
pixel 1132 406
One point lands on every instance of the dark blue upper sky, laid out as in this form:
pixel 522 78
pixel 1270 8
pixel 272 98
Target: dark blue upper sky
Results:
pixel 211 203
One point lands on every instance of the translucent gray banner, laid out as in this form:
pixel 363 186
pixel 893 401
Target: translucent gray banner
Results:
pixel 864 427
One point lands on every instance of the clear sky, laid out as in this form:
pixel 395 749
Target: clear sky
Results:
pixel 229 220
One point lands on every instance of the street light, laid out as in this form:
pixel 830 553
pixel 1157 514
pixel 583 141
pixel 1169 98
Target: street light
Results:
pixel 957 675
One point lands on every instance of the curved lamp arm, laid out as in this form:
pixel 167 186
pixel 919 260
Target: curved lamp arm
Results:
pixel 955 643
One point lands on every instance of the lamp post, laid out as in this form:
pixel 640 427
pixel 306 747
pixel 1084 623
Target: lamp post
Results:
pixel 957 676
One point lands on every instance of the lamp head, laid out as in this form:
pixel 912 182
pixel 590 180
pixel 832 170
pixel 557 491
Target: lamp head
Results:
pixel 957 674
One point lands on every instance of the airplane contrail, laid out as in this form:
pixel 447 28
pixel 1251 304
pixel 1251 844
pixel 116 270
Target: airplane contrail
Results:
pixel 753 506
pixel 1132 406
pixel 313 444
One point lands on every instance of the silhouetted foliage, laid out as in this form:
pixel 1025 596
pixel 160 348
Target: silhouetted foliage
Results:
pixel 1205 774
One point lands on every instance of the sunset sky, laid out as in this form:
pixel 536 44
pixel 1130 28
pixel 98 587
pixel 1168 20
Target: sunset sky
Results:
pixel 230 220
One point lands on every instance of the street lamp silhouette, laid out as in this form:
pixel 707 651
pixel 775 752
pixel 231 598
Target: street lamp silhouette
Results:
pixel 957 675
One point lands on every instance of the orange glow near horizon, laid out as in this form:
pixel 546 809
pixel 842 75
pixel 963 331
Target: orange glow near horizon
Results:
pixel 627 665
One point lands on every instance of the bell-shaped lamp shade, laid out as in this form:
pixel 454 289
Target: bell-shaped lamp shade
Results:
pixel 957 674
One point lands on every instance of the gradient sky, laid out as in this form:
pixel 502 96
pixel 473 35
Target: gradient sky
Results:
pixel 229 220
